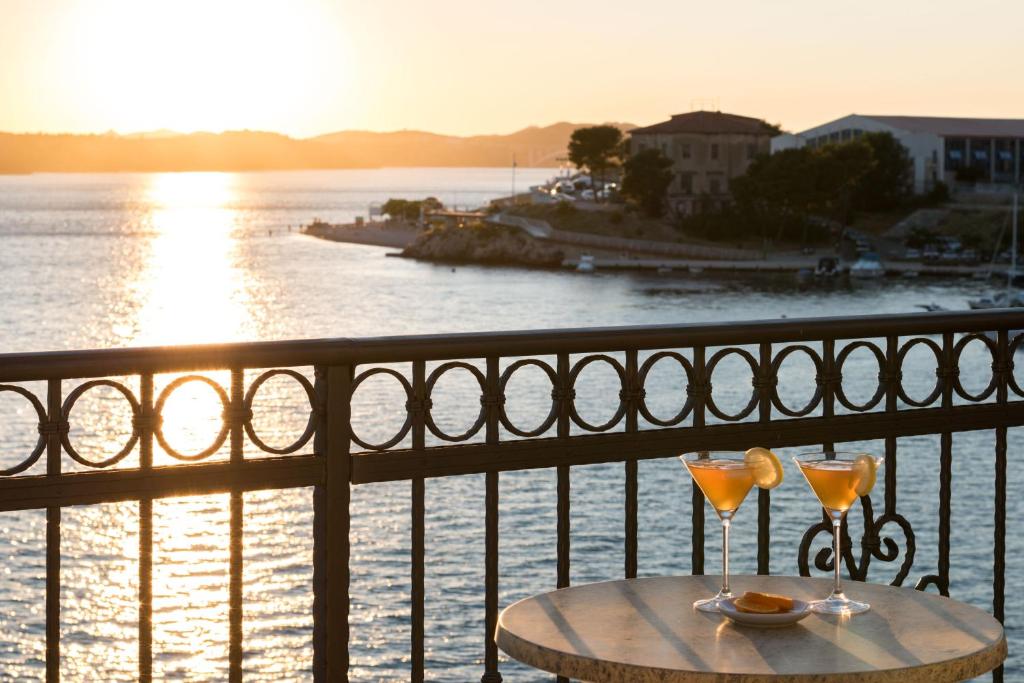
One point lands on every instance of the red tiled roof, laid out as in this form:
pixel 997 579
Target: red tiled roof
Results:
pixel 709 122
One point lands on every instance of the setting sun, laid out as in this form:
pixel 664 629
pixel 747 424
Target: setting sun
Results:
pixel 191 65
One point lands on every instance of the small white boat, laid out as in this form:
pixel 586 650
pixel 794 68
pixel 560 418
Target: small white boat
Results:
pixel 1004 299
pixel 868 266
pixel 586 264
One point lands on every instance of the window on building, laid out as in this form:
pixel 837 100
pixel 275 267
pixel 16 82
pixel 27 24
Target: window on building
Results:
pixel 664 149
pixel 846 135
pixel 1004 160
pixel 956 153
pixel 641 146
pixel 686 183
pixel 685 151
pixel 714 152
pixel 751 151
pixel 714 185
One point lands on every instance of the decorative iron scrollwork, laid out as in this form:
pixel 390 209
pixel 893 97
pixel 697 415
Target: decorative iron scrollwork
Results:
pixel 481 417
pixel 69 403
pixel 406 426
pixel 218 440
pixel 872 544
pixel 40 442
pixel 250 395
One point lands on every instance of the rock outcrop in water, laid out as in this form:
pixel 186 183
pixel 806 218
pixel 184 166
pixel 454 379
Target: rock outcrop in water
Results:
pixel 483 244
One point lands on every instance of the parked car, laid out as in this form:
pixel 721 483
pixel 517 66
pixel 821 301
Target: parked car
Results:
pixel 931 253
pixel 912 254
pixel 950 257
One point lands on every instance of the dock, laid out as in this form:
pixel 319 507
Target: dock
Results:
pixel 379 234
pixel 775 265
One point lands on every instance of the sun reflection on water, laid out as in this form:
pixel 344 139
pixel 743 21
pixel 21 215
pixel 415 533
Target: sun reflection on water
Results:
pixel 194 283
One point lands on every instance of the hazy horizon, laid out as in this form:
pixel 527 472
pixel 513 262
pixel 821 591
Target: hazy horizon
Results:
pixel 311 67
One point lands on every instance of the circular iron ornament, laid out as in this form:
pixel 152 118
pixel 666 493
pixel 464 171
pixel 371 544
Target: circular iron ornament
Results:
pixel 958 350
pixel 69 403
pixel 408 413
pixel 574 375
pixel 310 423
pixel 1013 346
pixel 777 364
pixel 879 392
pixel 40 443
pixel 552 414
pixel 159 406
pixel 642 381
pixel 481 417
pixel 751 404
pixel 937 389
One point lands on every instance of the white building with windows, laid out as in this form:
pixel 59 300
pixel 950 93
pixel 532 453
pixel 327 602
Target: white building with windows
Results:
pixel 942 148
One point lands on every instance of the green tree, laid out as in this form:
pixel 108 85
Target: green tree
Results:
pixel 409 209
pixel 648 174
pixel 888 182
pixel 597 148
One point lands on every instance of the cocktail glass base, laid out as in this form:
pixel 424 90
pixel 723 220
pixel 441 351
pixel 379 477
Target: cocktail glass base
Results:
pixel 712 604
pixel 838 603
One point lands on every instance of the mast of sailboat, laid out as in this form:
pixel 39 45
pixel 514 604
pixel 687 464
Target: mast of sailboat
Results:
pixel 1013 243
pixel 513 179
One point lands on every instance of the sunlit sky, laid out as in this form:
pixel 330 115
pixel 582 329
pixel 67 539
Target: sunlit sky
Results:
pixel 305 67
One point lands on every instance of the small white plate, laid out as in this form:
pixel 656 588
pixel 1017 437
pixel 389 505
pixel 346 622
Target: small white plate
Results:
pixel 800 610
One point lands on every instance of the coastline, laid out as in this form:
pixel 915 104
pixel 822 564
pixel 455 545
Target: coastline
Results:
pixel 523 252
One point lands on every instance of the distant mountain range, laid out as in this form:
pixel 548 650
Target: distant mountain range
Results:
pixel 257 151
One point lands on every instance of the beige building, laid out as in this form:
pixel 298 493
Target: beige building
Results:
pixel 708 149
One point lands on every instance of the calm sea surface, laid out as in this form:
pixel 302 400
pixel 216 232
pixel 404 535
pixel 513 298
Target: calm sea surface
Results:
pixel 116 260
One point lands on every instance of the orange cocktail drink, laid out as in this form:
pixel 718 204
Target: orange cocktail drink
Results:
pixel 726 478
pixel 834 482
pixel 838 479
pixel 725 483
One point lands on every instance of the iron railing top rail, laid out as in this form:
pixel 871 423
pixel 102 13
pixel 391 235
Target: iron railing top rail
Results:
pixel 22 367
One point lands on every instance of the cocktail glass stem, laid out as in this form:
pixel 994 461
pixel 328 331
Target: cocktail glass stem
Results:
pixel 837 587
pixel 726 523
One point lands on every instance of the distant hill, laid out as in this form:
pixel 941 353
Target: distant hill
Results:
pixel 252 150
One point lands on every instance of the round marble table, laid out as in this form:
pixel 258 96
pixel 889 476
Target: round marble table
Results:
pixel 647 630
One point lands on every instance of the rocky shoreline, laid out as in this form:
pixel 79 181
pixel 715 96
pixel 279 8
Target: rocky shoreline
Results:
pixel 483 244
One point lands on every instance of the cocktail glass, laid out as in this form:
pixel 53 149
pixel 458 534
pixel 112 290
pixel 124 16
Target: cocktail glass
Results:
pixel 725 478
pixel 838 479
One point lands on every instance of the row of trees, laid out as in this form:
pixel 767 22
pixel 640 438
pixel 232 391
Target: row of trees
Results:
pixel 409 209
pixel 792 190
pixel 646 175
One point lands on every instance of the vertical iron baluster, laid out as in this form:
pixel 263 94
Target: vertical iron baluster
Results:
pixel 55 417
pixel 236 520
pixel 563 391
pixel 331 521
pixel 492 402
pixel 828 380
pixel 145 428
pixel 417 509
pixel 698 393
pixel 946 464
pixel 893 377
pixel 634 394
pixel 1004 367
pixel 320 533
pixel 765 384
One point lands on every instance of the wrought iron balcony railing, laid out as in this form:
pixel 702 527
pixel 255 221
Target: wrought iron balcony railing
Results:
pixel 332 457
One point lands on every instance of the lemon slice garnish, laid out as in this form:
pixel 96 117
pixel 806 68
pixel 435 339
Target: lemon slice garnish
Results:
pixel 766 467
pixel 866 468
